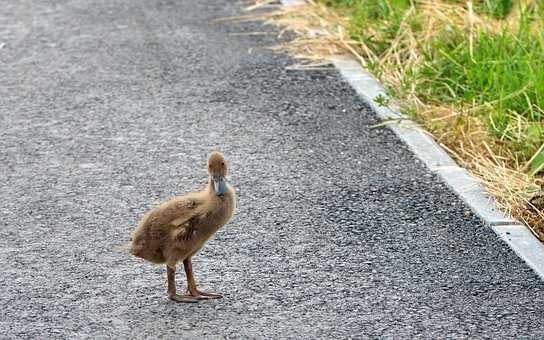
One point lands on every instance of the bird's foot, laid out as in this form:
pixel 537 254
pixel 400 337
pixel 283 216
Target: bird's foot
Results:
pixel 203 295
pixel 183 298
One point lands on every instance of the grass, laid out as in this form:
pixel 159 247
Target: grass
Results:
pixel 492 66
pixel 498 73
pixel 470 72
pixel 482 62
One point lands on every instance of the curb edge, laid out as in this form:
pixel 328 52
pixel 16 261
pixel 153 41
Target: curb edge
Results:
pixel 518 237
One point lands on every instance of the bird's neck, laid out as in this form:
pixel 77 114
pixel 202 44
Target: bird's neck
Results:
pixel 209 187
pixel 211 191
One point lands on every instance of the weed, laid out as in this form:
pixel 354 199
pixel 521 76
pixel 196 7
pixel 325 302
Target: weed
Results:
pixel 381 100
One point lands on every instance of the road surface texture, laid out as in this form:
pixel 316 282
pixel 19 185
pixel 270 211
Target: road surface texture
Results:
pixel 108 107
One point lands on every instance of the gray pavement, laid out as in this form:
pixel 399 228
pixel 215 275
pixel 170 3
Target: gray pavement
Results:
pixel 108 107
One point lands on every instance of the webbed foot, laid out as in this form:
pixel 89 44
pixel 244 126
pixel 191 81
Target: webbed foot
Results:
pixel 183 298
pixel 203 295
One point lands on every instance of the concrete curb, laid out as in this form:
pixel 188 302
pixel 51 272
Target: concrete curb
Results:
pixel 292 2
pixel 524 244
pixel 517 236
pixel 436 159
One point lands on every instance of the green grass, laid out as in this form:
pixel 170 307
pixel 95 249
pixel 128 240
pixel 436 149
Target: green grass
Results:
pixel 501 74
pixel 496 8
pixel 383 15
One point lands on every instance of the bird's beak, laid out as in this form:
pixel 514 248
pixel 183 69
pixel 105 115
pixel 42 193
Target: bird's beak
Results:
pixel 220 185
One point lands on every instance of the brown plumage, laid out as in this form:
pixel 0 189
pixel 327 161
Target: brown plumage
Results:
pixel 177 229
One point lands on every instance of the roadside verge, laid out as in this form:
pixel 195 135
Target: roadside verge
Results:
pixel 517 236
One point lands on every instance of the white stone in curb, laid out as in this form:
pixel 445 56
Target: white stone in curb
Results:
pixel 364 84
pixel 473 193
pixel 368 88
pixel 293 2
pixel 423 145
pixel 525 244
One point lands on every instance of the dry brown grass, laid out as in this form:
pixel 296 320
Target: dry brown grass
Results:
pixel 321 35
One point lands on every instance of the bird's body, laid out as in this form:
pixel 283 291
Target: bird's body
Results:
pixel 177 229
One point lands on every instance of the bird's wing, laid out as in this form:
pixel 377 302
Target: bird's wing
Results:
pixel 180 214
pixel 180 210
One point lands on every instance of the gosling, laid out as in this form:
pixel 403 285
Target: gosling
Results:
pixel 177 229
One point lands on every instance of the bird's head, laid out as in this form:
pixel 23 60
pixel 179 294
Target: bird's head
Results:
pixel 217 169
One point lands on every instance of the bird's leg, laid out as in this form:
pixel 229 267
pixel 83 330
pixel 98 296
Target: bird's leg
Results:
pixel 171 274
pixel 191 283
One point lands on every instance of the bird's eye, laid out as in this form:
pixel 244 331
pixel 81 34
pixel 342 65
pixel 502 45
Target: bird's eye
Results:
pixel 223 163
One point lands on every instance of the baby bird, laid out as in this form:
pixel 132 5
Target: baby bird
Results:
pixel 177 229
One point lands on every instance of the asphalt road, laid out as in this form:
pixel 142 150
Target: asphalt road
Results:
pixel 108 107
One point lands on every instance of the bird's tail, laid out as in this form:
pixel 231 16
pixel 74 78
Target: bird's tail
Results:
pixel 125 248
